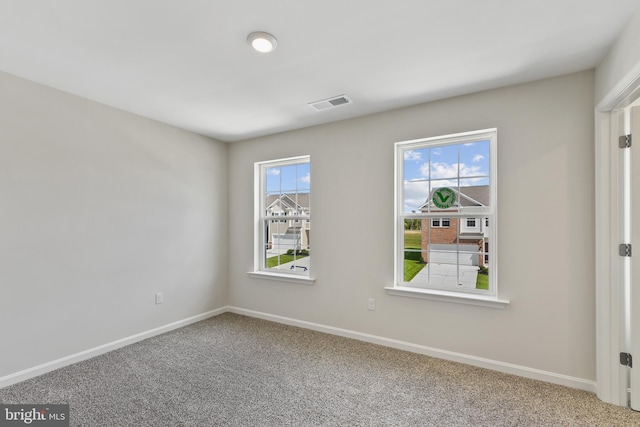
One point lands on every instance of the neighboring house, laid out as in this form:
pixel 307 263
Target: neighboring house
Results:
pixel 444 236
pixel 293 233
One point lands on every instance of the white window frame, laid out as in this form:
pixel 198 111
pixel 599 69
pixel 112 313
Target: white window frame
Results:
pixel 488 298
pixel 259 269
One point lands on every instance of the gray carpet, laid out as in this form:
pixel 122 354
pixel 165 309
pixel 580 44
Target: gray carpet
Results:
pixel 233 370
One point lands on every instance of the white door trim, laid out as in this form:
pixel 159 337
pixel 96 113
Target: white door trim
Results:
pixel 611 383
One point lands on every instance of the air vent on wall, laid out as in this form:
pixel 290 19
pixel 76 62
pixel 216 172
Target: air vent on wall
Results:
pixel 335 101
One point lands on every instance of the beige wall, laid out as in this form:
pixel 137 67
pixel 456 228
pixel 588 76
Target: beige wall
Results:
pixel 546 229
pixel 99 210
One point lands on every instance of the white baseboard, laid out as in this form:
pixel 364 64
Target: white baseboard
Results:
pixel 508 368
pixel 105 348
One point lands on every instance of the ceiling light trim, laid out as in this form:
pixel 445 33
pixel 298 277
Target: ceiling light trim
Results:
pixel 262 41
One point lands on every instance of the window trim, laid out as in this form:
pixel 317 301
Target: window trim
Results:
pixel 488 299
pixel 259 270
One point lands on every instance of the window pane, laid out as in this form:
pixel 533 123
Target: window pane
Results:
pixel 443 197
pixel 416 164
pixel 288 187
pixel 456 165
pixel 416 194
pixel 413 237
pixel 303 204
pixel 474 159
pixel 272 177
pixel 449 258
pixel 287 246
pixel 304 177
pixel 474 194
pixel 482 281
pixel 413 268
pixel 289 179
pixel 413 233
pixel 444 163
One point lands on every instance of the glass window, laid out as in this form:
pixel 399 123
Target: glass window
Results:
pixel 283 190
pixel 453 174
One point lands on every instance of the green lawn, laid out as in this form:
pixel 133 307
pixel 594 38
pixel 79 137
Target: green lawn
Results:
pixel 412 266
pixel 284 258
pixel 412 239
pixel 412 260
pixel 482 282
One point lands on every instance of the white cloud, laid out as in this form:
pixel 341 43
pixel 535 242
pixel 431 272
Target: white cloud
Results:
pixel 449 171
pixel 415 194
pixel 306 178
pixel 273 171
pixel 477 158
pixel 412 155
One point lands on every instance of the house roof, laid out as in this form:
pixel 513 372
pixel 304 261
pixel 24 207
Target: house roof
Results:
pixel 475 195
pixel 293 201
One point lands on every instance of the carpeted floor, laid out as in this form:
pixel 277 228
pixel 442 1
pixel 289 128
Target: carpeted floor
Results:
pixel 232 370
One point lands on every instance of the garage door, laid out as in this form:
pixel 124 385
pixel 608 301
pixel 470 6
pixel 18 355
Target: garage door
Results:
pixel 450 256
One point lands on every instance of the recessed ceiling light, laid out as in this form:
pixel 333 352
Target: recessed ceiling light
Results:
pixel 262 42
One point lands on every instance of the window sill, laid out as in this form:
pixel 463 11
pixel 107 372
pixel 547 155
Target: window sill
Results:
pixel 455 297
pixel 302 280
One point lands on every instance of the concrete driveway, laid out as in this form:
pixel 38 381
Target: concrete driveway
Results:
pixel 445 275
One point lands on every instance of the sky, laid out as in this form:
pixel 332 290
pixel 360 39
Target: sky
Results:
pixel 289 179
pixel 429 168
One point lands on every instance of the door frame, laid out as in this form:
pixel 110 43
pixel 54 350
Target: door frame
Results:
pixel 611 378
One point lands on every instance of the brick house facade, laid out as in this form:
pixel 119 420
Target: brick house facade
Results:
pixel 471 232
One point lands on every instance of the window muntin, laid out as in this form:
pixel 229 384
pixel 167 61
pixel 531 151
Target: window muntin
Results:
pixel 283 191
pixel 433 257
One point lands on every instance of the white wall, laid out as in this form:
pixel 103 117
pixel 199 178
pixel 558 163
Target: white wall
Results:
pixel 99 210
pixel 622 59
pixel 546 230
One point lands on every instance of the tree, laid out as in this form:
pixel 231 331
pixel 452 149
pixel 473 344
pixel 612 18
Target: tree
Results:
pixel 412 224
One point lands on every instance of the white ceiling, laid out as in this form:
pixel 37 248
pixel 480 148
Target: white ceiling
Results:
pixel 187 63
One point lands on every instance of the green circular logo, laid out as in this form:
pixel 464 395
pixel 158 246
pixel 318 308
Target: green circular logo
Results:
pixel 444 198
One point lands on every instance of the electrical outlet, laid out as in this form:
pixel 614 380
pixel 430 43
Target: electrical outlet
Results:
pixel 159 298
pixel 372 304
